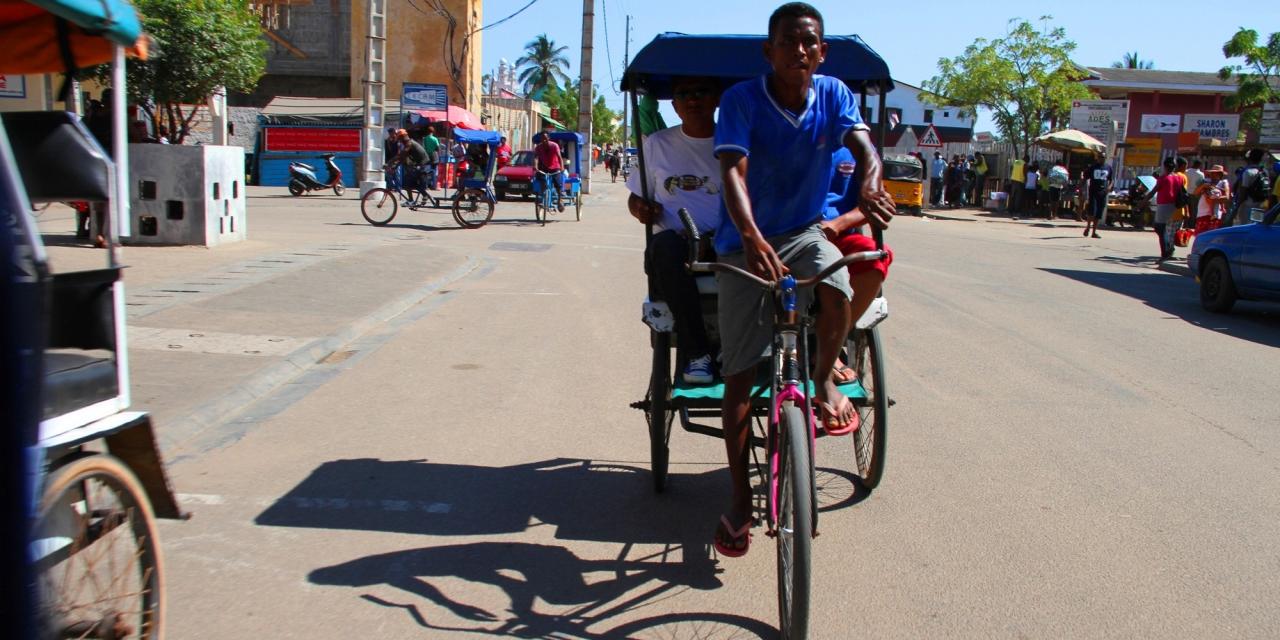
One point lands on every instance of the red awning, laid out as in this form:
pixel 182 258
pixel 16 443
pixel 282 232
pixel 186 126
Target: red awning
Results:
pixel 456 116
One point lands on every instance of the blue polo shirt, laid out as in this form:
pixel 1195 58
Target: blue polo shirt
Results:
pixel 842 195
pixel 789 170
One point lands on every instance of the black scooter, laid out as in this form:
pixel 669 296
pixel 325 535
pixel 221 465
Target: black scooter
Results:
pixel 302 177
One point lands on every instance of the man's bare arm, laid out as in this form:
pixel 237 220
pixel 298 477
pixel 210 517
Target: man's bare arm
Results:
pixel 641 210
pixel 762 260
pixel 873 200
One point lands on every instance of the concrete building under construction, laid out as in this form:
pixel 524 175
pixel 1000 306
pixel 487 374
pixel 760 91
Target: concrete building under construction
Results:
pixel 317 48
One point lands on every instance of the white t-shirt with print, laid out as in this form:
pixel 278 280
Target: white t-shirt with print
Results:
pixel 683 173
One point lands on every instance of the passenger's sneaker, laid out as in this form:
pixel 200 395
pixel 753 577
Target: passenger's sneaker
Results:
pixel 698 371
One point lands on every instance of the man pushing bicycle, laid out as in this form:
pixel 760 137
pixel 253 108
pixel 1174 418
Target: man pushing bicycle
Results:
pixel 774 142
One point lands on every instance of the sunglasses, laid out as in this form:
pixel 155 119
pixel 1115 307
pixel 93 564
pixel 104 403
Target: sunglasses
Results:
pixel 692 94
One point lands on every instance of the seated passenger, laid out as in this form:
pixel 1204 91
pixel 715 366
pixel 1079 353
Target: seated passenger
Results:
pixel 682 173
pixel 842 224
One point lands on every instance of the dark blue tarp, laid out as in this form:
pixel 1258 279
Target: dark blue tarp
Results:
pixel 738 57
pixel 561 136
pixel 472 136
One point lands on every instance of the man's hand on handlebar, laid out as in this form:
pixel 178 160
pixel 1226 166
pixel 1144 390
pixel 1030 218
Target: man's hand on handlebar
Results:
pixel 762 260
pixel 645 211
pixel 877 205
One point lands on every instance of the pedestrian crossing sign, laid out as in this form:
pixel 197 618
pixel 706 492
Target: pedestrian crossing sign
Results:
pixel 930 138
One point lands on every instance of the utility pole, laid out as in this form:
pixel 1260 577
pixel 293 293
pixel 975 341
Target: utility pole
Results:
pixel 584 89
pixel 626 101
pixel 375 93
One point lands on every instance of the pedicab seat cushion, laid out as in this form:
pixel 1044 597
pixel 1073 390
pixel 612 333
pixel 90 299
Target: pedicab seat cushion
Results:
pixel 57 156
pixel 852 390
pixel 77 378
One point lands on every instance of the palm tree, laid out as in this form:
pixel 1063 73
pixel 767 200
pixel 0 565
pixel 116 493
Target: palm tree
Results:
pixel 542 65
pixel 1132 61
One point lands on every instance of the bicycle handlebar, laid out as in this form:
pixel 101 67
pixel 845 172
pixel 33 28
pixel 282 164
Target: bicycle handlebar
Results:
pixel 691 232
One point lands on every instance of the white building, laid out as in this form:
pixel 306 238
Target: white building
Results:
pixel 904 108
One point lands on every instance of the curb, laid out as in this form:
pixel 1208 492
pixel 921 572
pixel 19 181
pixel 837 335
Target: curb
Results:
pixel 266 381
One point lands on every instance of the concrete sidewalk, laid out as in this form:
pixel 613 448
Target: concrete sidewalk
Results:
pixel 221 337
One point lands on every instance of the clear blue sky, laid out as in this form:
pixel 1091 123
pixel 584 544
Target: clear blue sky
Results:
pixel 911 36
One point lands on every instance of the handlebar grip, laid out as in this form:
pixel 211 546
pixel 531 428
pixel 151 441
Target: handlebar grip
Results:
pixel 691 232
pixel 877 234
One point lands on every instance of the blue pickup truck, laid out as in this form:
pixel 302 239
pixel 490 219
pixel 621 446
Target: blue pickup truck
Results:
pixel 1238 262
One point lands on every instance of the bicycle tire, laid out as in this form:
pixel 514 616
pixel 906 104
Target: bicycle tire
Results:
pixel 471 211
pixel 379 206
pixel 73 518
pixel 870 440
pixel 660 414
pixel 795 523
pixel 577 207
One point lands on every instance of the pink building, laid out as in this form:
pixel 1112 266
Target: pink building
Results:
pixel 1158 97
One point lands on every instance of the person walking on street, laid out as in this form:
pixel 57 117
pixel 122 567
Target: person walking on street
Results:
pixel 1212 197
pixel 1167 187
pixel 1252 189
pixel 1017 181
pixel 980 178
pixel 936 170
pixel 431 144
pixel 1195 177
pixel 1030 189
pixel 1097 184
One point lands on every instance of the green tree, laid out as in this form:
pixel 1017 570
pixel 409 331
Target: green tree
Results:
pixel 565 101
pixel 1131 60
pixel 542 66
pixel 1026 79
pixel 198 46
pixel 1259 76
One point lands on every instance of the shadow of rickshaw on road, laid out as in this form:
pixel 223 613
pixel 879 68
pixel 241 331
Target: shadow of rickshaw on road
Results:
pixel 581 499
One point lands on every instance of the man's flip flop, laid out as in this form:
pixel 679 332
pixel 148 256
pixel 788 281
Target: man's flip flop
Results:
pixel 828 414
pixel 742 533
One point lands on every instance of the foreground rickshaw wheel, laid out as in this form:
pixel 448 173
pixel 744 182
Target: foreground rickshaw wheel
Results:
pixel 660 414
pixel 379 206
pixel 98 562
pixel 471 210
pixel 795 523
pixel 867 358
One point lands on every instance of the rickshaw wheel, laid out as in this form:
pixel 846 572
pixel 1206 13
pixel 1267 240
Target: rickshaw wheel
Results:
pixel 867 358
pixel 660 413
pixel 379 206
pixel 472 210
pixel 99 567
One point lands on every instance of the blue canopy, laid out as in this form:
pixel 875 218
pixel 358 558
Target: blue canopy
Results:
pixel 474 136
pixel 738 57
pixel 562 136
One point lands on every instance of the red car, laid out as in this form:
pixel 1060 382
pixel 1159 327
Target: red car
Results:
pixel 515 178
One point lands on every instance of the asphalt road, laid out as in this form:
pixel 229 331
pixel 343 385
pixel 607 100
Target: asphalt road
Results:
pixel 1076 450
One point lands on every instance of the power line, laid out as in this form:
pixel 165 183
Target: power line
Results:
pixel 531 3
pixel 613 83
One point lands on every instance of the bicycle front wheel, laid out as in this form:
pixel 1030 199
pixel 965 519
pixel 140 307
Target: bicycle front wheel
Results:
pixel 471 210
pixel 795 523
pixel 379 206
pixel 98 563
pixel 869 440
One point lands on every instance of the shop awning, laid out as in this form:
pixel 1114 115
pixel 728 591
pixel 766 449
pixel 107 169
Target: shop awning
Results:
pixel 455 116
pixel 30 33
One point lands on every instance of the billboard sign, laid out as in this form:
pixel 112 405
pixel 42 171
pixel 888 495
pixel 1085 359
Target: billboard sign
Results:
pixel 1269 133
pixel 416 96
pixel 1153 123
pixel 1094 117
pixel 1223 126
pixel 1142 152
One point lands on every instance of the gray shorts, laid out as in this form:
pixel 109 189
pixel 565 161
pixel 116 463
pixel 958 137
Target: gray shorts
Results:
pixel 746 310
pixel 1164 213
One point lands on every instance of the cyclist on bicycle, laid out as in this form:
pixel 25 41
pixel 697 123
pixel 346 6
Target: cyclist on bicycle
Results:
pixel 774 141
pixel 414 158
pixel 547 160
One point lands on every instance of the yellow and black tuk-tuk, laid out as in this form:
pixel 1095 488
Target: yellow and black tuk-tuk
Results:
pixel 904 180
